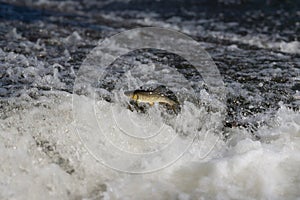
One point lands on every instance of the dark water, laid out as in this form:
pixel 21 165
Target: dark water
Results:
pixel 244 38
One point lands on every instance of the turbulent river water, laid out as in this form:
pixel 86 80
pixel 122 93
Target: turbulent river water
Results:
pixel 65 128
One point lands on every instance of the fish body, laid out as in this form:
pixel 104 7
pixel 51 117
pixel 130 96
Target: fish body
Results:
pixel 150 97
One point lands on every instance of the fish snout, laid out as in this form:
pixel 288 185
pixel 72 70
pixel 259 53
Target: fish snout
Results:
pixel 129 94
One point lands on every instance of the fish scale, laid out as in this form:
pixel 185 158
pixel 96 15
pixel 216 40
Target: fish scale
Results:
pixel 150 97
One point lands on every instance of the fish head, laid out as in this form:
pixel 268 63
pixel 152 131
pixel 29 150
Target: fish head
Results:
pixel 131 94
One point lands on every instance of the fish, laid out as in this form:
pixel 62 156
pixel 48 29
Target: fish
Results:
pixel 151 97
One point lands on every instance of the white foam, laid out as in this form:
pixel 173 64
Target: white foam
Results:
pixel 250 169
pixel 73 38
pixel 266 169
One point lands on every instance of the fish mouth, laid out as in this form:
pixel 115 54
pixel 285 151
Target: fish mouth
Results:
pixel 128 93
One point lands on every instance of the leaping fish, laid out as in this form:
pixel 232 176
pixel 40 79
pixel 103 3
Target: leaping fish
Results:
pixel 151 97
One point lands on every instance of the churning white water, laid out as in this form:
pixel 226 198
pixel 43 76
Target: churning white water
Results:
pixel 62 168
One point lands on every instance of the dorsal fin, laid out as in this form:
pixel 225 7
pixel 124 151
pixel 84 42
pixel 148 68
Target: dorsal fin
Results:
pixel 161 89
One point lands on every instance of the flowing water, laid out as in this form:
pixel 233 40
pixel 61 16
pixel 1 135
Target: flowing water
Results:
pixel 62 140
